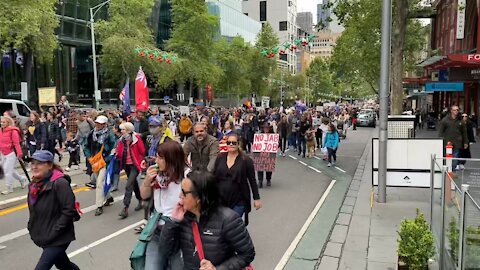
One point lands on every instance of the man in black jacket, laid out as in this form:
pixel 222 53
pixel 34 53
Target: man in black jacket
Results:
pixel 141 125
pixel 452 130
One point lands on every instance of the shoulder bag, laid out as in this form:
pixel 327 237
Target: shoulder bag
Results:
pixel 198 244
pixel 137 258
pixel 97 161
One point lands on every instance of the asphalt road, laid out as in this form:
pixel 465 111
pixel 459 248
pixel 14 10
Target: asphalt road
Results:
pixel 105 242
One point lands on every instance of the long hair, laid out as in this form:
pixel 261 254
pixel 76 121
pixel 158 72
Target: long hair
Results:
pixel 206 190
pixel 175 160
pixel 332 127
pixel 11 122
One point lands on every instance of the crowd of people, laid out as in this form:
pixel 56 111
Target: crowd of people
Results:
pixel 187 171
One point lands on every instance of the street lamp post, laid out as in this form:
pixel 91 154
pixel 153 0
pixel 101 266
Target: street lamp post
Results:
pixel 93 12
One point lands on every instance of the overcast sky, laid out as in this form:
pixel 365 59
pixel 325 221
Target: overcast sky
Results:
pixel 308 6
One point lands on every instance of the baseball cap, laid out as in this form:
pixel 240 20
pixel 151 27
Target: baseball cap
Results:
pixel 101 119
pixel 155 121
pixel 42 156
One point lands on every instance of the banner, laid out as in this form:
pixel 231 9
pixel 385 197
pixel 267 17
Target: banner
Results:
pixel 265 148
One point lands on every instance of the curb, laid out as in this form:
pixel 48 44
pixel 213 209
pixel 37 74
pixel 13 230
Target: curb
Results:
pixel 21 199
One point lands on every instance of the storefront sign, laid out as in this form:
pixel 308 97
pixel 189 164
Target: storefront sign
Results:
pixel 475 58
pixel 464 74
pixel 264 161
pixel 445 87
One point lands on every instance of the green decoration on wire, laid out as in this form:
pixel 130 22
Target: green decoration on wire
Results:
pixel 138 50
pixel 156 53
pixel 287 45
pixel 165 56
pixel 264 52
pixel 310 38
pixel 174 58
pixel 276 49
pixel 298 41
pixel 146 51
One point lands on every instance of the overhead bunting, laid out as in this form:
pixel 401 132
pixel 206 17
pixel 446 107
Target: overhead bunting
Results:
pixel 283 48
pixel 156 55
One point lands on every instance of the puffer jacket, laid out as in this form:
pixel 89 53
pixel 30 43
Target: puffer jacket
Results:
pixel 10 140
pixel 204 154
pixel 53 213
pixel 225 240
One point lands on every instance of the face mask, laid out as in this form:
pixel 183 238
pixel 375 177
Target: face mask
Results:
pixel 154 130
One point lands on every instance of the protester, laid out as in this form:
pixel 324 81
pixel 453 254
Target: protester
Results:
pixel 332 140
pixel 302 126
pixel 268 174
pixel 11 151
pixel 465 153
pixel 185 127
pixel 235 175
pixel 452 130
pixel 53 135
pixel 203 149
pixel 131 152
pixel 51 204
pixel 163 184
pixel 36 133
pixel 283 132
pixel 100 140
pixel 73 148
pixel 227 245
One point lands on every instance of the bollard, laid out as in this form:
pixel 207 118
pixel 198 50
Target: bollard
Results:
pixel 448 162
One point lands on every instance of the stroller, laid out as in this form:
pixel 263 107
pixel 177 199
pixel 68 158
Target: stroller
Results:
pixel 342 132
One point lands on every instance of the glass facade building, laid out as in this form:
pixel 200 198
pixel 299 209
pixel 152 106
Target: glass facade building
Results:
pixel 232 21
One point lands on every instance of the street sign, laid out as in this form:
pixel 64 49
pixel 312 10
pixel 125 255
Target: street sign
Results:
pixel 166 99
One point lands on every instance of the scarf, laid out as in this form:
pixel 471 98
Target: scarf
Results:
pixel 36 188
pixel 152 151
pixel 99 136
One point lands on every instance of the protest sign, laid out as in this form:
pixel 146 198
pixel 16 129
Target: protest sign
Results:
pixel 265 148
pixel 264 161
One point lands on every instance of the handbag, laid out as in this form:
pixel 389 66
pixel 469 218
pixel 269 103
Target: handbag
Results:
pixel 198 244
pixel 97 161
pixel 137 258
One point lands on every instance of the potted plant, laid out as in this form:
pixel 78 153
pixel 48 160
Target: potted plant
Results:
pixel 415 243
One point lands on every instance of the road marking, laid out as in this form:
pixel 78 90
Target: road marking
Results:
pixel 317 157
pixel 286 256
pixel 106 238
pixel 340 169
pixel 23 206
pixel 315 169
pixel 22 232
pixel 303 163
pixel 287 150
pixel 292 157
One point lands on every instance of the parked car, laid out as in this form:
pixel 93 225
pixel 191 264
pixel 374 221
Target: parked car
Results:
pixel 18 107
pixel 367 118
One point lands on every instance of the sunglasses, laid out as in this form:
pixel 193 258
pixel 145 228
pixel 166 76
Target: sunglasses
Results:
pixel 231 143
pixel 185 193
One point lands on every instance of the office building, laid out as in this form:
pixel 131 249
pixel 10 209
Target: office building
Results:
pixel 324 43
pixel 305 22
pixel 282 16
pixel 323 14
pixel 232 21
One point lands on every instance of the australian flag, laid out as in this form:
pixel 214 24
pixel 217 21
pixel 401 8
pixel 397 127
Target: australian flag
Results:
pixel 125 97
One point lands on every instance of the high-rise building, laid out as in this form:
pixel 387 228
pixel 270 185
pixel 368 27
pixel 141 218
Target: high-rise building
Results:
pixel 232 21
pixel 323 14
pixel 324 43
pixel 305 22
pixel 282 16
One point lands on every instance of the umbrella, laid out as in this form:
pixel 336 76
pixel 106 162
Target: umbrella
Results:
pixel 22 164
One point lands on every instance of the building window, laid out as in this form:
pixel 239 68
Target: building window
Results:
pixel 263 11
pixel 283 26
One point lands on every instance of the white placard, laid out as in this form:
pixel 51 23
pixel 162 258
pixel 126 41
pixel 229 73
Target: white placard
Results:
pixel 98 95
pixel 319 108
pixel 266 102
pixel 461 19
pixel 265 143
pixel 184 110
pixel 24 91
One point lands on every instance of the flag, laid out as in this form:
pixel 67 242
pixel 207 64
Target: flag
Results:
pixel 141 91
pixel 125 97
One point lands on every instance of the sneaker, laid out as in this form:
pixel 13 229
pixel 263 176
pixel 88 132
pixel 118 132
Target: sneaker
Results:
pixel 124 213
pixel 108 202
pixel 99 211
pixel 269 182
pixel 67 169
pixel 8 191
pixel 90 185
pixel 75 167
pixel 329 164
pixel 462 167
pixel 283 154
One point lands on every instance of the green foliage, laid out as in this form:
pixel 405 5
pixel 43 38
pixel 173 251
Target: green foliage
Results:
pixel 415 243
pixel 321 78
pixel 126 29
pixel 453 238
pixel 472 250
pixel 192 38
pixel 29 26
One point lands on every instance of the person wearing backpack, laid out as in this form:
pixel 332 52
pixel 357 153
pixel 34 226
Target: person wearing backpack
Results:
pixel 52 208
pixel 332 140
pixel 11 151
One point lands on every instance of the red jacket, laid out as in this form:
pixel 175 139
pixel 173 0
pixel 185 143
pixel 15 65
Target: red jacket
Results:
pixel 10 138
pixel 137 149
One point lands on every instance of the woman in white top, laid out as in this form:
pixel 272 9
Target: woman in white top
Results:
pixel 163 182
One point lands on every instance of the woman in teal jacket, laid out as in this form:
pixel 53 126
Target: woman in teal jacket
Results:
pixel 332 141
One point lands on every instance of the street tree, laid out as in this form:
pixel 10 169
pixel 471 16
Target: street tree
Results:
pixel 29 27
pixel 320 78
pixel 193 34
pixel 125 30
pixel 261 68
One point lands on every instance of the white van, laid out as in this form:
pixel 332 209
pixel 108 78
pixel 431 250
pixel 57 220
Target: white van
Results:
pixel 19 108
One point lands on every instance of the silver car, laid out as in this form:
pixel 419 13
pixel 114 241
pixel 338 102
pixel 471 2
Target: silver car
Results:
pixel 367 119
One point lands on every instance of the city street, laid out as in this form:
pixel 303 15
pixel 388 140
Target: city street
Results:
pixel 105 242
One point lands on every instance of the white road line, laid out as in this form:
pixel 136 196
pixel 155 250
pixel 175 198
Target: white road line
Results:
pixel 106 238
pixel 292 157
pixel 286 256
pixel 303 163
pixel 317 157
pixel 340 169
pixel 22 232
pixel 315 169
pixel 287 150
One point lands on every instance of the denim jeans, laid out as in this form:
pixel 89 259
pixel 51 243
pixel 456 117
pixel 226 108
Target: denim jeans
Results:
pixel 456 154
pixel 292 140
pixel 156 260
pixel 55 256
pixel 239 209
pixel 302 144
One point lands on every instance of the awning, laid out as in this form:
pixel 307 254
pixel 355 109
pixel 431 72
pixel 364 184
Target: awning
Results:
pixel 452 60
pixel 432 60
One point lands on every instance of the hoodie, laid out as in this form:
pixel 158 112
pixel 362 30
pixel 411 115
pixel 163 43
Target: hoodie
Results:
pixel 10 140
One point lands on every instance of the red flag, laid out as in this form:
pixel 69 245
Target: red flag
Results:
pixel 142 102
